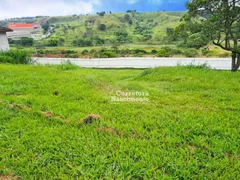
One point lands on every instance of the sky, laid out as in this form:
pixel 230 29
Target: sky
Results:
pixel 24 8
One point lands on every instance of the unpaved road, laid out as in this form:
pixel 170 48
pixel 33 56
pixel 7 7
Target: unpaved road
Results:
pixel 216 63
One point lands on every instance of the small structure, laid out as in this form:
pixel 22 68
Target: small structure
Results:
pixel 4 45
pixel 23 30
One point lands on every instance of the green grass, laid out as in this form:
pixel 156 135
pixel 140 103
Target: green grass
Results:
pixel 75 26
pixel 188 130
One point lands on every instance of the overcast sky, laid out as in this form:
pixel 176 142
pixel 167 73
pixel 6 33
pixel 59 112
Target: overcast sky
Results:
pixel 22 8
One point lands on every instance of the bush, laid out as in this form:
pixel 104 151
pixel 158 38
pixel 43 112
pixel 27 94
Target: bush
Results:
pixel 15 57
pixel 137 51
pixel 164 52
pixel 85 51
pixel 101 13
pixel 61 41
pixel 205 51
pixel 53 42
pixel 6 59
pixel 108 54
pixel 197 41
pixel 177 51
pixel 82 42
pixel 204 66
pixel 224 55
pixel 70 52
pixel 67 66
pixel 102 27
pixel 25 41
pixel 71 56
pixel 154 51
pixel 191 53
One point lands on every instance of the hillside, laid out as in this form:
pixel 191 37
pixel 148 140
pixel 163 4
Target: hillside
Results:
pixel 120 34
pixel 140 27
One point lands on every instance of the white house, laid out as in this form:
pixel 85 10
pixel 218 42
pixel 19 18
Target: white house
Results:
pixel 4 45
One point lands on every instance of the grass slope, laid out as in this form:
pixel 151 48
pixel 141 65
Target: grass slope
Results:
pixel 188 130
pixel 72 27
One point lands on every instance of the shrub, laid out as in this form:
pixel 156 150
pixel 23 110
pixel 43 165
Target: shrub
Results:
pixel 16 57
pixel 191 53
pixel 25 41
pixel 224 55
pixel 102 27
pixel 85 51
pixel 197 41
pixel 61 41
pixel 164 52
pixel 140 54
pixel 204 66
pixel 137 51
pixel 67 66
pixel 70 52
pixel 53 42
pixel 40 52
pixel 127 17
pixel 154 51
pixel 108 54
pixel 82 42
pixel 101 13
pixel 122 37
pixel 6 59
pixel 177 51
pixel 205 51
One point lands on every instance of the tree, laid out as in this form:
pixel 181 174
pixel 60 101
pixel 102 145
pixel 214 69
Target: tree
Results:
pixel 220 20
pixel 45 26
pixel 122 36
pixel 127 17
pixel 101 13
pixel 25 41
pixel 196 41
pixel 53 42
pixel 102 27
pixel 61 41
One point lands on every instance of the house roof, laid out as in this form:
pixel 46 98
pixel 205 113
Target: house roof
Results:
pixel 4 29
pixel 21 25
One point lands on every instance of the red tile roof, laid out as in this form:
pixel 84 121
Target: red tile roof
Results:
pixel 21 25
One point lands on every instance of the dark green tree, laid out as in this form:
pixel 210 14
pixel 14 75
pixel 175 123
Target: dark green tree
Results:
pixel 220 20
pixel 45 26
pixel 102 27
pixel 53 42
pixel 26 41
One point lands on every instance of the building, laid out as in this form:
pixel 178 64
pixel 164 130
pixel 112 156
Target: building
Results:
pixel 4 45
pixel 24 27
pixel 23 30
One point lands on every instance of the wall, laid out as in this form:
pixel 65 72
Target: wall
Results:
pixel 4 46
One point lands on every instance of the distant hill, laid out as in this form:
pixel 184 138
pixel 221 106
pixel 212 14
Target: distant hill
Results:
pixel 131 27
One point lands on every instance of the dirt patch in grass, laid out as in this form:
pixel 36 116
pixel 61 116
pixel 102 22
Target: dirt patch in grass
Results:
pixel 89 119
pixel 121 133
pixel 8 177
pixel 110 130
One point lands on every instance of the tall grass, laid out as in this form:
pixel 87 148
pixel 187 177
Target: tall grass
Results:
pixel 15 57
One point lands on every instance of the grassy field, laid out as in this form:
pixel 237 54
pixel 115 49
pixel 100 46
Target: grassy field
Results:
pixel 189 129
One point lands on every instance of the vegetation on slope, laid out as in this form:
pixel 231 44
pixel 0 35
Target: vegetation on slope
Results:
pixel 144 27
pixel 120 35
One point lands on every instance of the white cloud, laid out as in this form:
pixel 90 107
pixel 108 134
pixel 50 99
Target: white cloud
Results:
pixel 21 8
